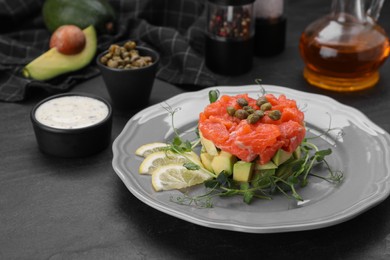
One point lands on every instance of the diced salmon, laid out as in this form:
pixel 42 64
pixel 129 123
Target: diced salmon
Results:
pixel 251 141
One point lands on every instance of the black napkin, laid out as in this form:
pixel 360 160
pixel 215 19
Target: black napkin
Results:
pixel 174 28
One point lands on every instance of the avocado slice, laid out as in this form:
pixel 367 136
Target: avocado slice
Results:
pixel 297 153
pixel 242 171
pixel 223 162
pixel 267 166
pixel 206 160
pixel 208 145
pixel 52 63
pixel 281 156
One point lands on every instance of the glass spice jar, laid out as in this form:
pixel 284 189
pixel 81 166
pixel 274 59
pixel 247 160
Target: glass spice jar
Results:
pixel 230 36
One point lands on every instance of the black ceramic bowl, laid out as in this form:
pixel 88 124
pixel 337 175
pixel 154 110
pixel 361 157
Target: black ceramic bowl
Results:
pixel 60 138
pixel 130 88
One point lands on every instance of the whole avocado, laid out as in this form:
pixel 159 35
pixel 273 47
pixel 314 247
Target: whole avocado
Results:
pixel 81 13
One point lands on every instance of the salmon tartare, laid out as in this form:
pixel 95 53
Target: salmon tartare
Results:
pixel 253 129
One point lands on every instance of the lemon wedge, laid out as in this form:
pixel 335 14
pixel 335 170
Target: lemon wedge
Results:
pixel 146 149
pixel 176 176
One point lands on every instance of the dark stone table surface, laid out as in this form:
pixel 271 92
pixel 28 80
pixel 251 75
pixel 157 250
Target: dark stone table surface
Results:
pixel 52 208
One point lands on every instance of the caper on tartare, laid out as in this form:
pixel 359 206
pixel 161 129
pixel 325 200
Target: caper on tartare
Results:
pixel 251 114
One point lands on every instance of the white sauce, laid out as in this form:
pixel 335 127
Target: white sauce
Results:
pixel 70 112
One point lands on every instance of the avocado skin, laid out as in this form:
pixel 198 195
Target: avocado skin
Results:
pixel 52 63
pixel 81 13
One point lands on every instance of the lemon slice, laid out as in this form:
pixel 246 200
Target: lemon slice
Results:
pixel 154 160
pixel 176 176
pixel 147 149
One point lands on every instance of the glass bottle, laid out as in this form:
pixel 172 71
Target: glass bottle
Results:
pixel 344 50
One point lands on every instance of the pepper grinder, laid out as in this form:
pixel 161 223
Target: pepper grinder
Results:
pixel 229 36
pixel 270 28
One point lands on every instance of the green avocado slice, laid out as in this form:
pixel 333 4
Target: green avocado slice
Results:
pixel 242 171
pixel 224 161
pixel 280 157
pixel 53 63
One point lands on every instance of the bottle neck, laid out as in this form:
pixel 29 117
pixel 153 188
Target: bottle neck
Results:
pixel 348 10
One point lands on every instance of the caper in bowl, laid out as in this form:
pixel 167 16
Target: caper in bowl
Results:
pixel 125 57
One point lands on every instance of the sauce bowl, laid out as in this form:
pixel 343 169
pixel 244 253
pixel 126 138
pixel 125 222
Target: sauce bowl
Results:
pixel 72 125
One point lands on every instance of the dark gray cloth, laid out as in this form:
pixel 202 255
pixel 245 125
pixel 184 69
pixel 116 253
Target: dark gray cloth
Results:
pixel 175 28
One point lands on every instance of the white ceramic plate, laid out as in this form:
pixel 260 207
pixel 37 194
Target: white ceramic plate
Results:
pixel 362 153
